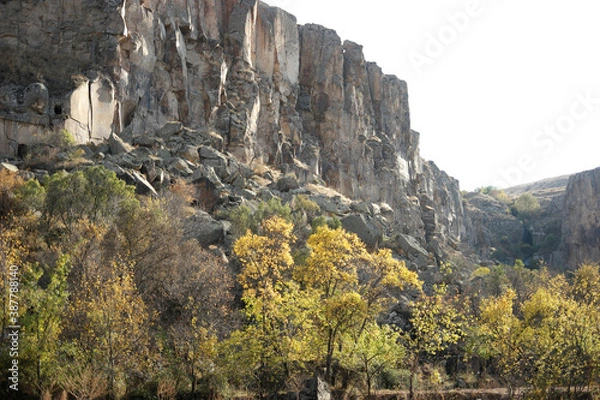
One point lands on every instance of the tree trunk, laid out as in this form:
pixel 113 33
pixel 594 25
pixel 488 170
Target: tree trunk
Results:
pixel 413 372
pixel 193 382
pixel 329 359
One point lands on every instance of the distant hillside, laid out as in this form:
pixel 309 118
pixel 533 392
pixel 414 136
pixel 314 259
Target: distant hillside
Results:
pixel 563 233
pixel 547 188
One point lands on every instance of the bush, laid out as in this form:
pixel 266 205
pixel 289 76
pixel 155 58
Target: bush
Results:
pixel 526 206
pixel 44 150
pixel 9 183
pixel 303 203
pixel 330 222
pixel 94 193
pixel 394 379
pixel 243 218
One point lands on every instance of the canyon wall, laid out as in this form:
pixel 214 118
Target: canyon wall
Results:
pixel 295 97
pixel 581 223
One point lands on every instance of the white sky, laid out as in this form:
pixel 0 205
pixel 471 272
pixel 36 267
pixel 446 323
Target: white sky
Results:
pixel 488 99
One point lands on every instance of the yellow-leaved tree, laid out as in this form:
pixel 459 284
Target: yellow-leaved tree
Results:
pixel 277 340
pixel 436 324
pixel 354 286
pixel 109 327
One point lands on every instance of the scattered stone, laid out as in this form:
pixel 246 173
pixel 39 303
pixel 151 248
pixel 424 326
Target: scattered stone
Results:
pixel 215 159
pixel 118 145
pixel 315 389
pixel 179 165
pixel 9 167
pixel 265 194
pixel 170 129
pixel 190 153
pixel 239 182
pixel 206 172
pixel 287 183
pixel 142 186
pixel 248 194
pixel 208 153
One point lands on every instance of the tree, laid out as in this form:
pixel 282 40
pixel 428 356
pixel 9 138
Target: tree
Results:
pixel 109 324
pixel 196 347
pixel 265 279
pixel 498 330
pixel 331 268
pixel 197 311
pixel 43 322
pixel 84 381
pixel 556 341
pixel 381 276
pixel 371 351
pixel 266 258
pixel 436 324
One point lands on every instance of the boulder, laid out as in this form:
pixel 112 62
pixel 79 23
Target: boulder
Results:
pixel 134 178
pixel 118 145
pixel 206 172
pixel 9 167
pixel 412 248
pixel 190 153
pixel 215 159
pixel 204 228
pixel 315 389
pixel 287 183
pixel 169 129
pixel 364 228
pixel 179 165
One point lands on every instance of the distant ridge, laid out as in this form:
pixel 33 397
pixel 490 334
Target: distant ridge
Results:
pixel 544 188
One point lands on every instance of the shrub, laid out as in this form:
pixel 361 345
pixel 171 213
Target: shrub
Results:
pixel 526 206
pixel 94 193
pixel 9 183
pixel 303 203
pixel 243 218
pixel 330 222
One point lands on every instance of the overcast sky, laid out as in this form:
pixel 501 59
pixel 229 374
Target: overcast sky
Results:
pixel 503 92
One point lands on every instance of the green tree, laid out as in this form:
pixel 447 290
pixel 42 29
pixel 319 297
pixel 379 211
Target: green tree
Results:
pixel 371 351
pixel 43 322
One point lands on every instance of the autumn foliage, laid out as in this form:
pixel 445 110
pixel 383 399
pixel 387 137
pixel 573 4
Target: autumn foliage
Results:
pixel 116 303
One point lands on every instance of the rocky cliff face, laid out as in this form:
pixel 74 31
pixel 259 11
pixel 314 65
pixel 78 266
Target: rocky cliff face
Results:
pixel 581 223
pixel 243 72
pixel 563 234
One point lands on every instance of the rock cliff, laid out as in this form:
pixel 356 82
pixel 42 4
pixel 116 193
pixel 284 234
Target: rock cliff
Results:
pixel 238 72
pixel 581 223
pixel 563 234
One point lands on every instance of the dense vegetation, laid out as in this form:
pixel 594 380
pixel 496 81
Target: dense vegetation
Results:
pixel 113 301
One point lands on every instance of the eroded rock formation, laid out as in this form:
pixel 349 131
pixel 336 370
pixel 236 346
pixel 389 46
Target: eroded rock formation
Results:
pixel 291 96
pixel 581 224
